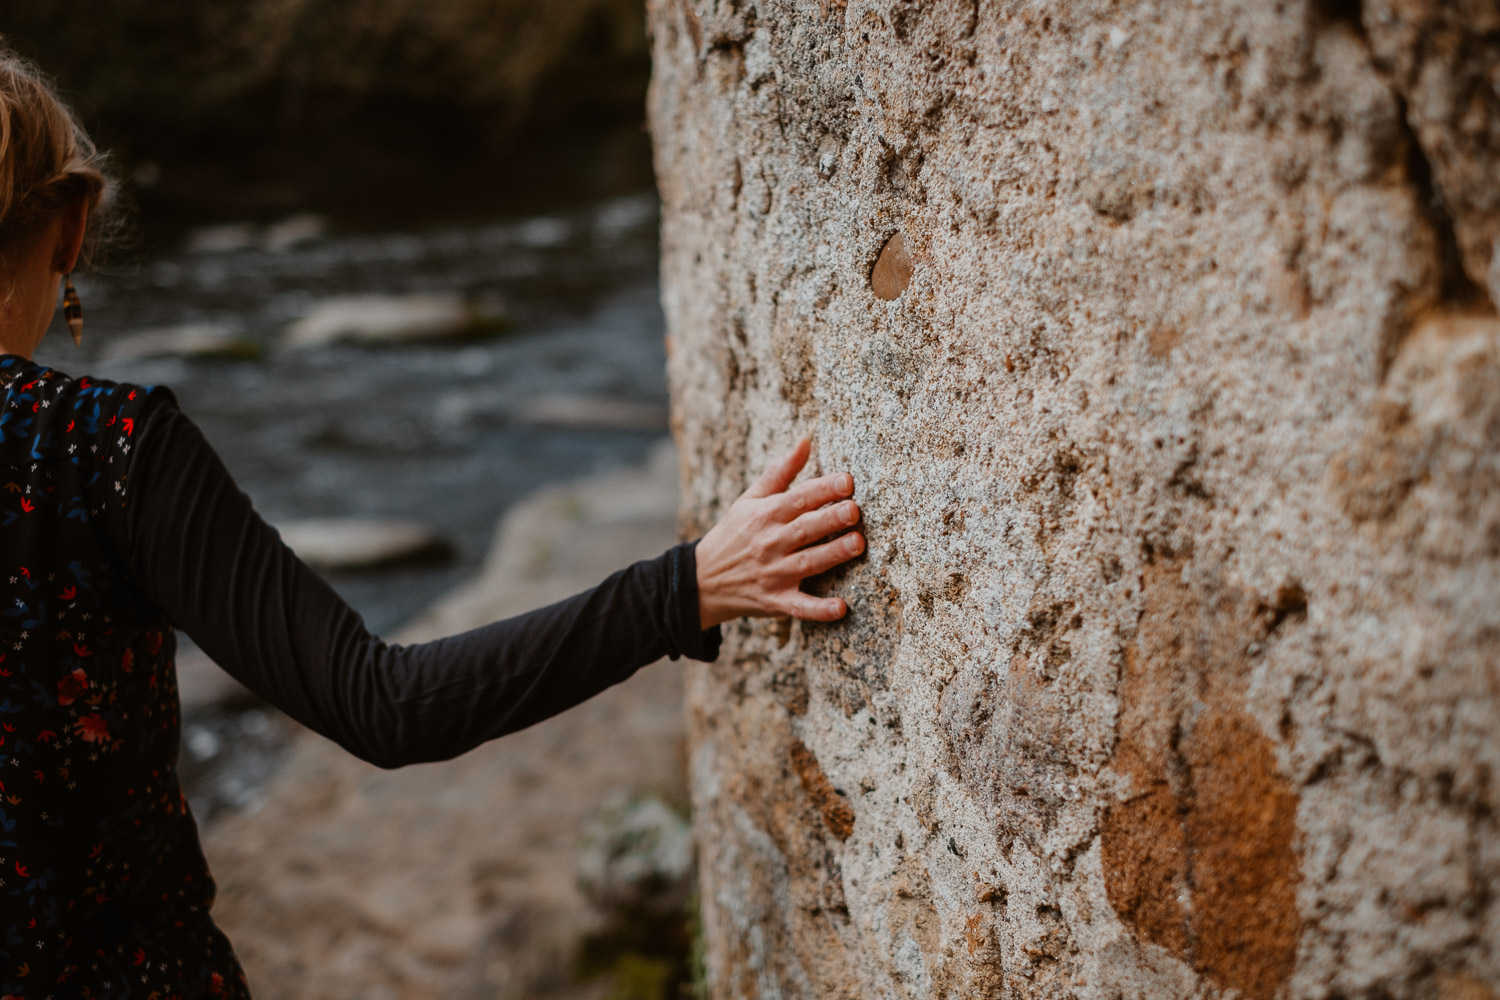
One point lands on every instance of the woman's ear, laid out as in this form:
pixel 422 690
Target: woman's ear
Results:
pixel 75 222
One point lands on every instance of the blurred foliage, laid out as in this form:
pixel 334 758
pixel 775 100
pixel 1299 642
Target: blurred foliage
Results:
pixel 296 97
pixel 647 957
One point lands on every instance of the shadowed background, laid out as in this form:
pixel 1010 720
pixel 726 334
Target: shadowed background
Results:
pixel 399 260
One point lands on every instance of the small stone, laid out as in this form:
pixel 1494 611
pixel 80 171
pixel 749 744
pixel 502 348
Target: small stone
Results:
pixel 636 859
pixel 191 340
pixel 893 269
pixel 593 413
pixel 380 319
pixel 228 238
pixel 293 232
pixel 362 544
pixel 203 743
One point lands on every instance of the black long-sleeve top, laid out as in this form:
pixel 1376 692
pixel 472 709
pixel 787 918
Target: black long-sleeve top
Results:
pixel 118 523
pixel 223 576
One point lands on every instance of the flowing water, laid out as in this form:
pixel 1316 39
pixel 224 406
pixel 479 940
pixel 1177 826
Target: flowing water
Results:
pixel 442 433
pixel 439 433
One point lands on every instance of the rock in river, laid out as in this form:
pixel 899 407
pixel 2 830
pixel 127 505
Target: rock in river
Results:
pixel 576 412
pixel 382 319
pixel 637 858
pixel 190 340
pixel 355 544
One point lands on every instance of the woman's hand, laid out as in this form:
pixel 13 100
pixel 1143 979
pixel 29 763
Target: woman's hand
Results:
pixel 753 561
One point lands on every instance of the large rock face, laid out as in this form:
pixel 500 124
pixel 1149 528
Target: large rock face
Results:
pixel 1160 339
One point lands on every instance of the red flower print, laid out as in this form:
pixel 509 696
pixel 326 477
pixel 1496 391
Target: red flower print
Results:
pixel 153 642
pixel 216 983
pixel 128 660
pixel 92 728
pixel 72 686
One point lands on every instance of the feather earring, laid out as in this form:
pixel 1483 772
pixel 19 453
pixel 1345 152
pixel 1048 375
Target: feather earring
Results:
pixel 72 309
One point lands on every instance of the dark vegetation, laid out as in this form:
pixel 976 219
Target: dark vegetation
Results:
pixel 379 112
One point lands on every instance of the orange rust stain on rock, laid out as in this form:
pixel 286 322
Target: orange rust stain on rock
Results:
pixel 1201 860
pixel 1145 867
pixel 1162 339
pixel 1241 827
pixel 893 269
pixel 1463 986
pixel 975 933
pixel 837 815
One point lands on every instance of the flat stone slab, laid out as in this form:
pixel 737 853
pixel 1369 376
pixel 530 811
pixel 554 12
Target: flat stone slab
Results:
pixel 580 412
pixel 361 544
pixel 190 340
pixel 382 319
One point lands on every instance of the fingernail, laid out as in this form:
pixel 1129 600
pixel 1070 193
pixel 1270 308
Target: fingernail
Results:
pixel 848 484
pixel 853 543
pixel 851 512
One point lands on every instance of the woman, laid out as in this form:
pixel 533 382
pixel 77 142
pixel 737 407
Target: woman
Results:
pixel 118 524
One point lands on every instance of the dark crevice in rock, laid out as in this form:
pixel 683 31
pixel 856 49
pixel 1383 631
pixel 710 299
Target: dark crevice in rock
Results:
pixel 1455 288
pixel 1289 604
pixel 1340 12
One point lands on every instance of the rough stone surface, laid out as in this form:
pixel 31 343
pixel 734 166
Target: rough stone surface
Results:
pixel 1444 62
pixel 1160 339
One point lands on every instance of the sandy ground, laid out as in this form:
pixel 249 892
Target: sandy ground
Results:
pixel 457 879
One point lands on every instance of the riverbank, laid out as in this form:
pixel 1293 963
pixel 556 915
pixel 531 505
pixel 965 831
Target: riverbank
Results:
pixel 458 879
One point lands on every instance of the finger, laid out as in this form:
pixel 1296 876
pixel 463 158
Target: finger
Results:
pixel 816 609
pixel 780 475
pixel 816 524
pixel 816 492
pixel 822 558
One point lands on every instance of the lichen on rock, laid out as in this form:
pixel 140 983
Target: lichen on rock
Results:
pixel 1161 342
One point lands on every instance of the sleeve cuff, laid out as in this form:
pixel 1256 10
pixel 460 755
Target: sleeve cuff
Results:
pixel 686 637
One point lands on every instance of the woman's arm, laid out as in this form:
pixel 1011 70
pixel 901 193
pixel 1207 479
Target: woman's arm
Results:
pixel 223 575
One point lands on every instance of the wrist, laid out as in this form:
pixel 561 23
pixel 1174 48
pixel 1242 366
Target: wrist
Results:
pixel 711 607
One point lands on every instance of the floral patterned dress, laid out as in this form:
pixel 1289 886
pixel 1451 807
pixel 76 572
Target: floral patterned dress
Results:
pixel 104 891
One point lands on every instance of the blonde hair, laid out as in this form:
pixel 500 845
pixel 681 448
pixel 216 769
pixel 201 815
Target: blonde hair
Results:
pixel 47 161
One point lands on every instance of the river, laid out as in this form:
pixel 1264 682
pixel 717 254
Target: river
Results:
pixel 440 433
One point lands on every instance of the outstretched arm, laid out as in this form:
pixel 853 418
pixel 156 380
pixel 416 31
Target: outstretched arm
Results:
pixel 222 574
